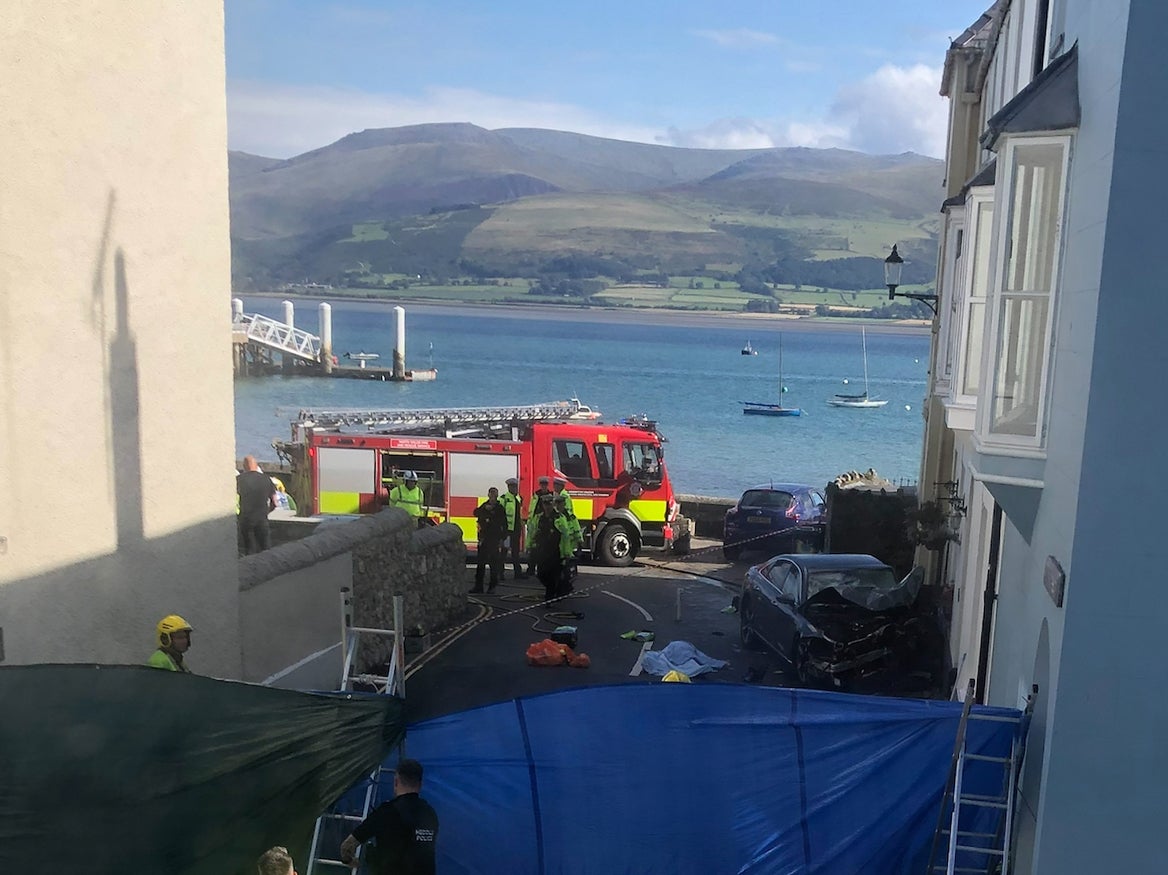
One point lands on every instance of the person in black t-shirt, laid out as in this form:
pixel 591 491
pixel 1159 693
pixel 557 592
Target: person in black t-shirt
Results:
pixel 405 829
pixel 257 498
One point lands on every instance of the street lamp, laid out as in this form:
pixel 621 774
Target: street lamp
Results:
pixel 892 268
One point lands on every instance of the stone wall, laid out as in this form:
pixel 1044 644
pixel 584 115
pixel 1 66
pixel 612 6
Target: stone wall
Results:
pixel 290 595
pixel 706 512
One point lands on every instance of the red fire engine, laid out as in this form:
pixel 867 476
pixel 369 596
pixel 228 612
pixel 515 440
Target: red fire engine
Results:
pixel 345 462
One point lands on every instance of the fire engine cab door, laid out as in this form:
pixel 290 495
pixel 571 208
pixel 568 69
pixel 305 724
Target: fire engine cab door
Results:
pixel 471 475
pixel 346 480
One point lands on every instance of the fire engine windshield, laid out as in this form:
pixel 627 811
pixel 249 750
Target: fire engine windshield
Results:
pixel 644 462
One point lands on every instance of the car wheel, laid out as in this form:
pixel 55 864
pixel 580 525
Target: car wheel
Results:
pixel 731 551
pixel 617 547
pixel 745 628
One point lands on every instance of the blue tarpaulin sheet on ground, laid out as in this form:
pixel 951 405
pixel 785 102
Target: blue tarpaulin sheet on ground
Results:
pixel 693 778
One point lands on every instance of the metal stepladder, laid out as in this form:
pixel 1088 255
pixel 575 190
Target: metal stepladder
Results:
pixel 352 808
pixel 976 817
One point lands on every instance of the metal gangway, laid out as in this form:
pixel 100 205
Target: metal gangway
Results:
pixel 275 335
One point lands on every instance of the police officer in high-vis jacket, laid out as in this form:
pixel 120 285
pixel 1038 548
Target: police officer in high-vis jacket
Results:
pixel 533 509
pixel 512 503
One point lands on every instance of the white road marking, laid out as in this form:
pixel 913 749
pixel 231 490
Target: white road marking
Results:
pixel 645 648
pixel 644 613
pixel 648 645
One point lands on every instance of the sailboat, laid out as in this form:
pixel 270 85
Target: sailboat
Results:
pixel 763 408
pixel 749 350
pixel 863 400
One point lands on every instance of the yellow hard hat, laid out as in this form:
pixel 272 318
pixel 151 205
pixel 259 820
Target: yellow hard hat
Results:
pixel 169 624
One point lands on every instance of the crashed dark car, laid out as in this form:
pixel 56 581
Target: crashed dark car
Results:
pixel 842 621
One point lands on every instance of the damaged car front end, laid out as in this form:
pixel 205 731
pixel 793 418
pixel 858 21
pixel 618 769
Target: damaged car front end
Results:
pixel 843 621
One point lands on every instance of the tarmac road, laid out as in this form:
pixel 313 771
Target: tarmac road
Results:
pixel 484 661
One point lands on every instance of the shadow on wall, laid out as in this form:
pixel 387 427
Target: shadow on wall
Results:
pixel 104 609
pixel 125 415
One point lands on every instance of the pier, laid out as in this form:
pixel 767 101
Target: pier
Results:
pixel 263 346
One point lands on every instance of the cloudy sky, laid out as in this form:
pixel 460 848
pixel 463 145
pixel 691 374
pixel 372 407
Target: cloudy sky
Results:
pixel 731 74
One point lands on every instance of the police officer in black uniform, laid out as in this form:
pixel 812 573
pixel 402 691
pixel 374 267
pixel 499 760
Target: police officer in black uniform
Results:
pixel 492 530
pixel 406 828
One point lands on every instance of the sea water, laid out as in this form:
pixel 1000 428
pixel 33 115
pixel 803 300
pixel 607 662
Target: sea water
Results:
pixel 690 377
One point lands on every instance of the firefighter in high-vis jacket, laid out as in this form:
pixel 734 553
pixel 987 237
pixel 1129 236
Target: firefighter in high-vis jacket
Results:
pixel 409 497
pixel 512 503
pixel 174 639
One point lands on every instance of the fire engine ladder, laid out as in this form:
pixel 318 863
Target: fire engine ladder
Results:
pixel 351 809
pixel 273 334
pixel 979 842
pixel 439 416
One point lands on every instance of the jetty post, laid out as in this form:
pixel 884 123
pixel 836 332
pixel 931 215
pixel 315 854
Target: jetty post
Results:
pixel 326 337
pixel 238 338
pixel 287 362
pixel 399 343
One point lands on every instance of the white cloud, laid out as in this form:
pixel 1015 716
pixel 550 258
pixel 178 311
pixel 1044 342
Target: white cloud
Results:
pixel 893 110
pixel 896 109
pixel 281 121
pixel 740 38
pixel 736 133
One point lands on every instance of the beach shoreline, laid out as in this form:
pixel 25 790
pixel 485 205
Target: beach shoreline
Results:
pixel 624 315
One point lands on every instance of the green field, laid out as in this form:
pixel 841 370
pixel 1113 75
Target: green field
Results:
pixel 728 299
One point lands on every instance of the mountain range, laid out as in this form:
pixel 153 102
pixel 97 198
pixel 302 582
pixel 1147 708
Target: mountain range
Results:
pixel 446 200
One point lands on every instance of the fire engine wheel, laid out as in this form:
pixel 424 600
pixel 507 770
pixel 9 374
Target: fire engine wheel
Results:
pixel 617 547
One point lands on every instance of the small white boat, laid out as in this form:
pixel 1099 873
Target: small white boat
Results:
pixel 583 411
pixel 862 399
pixel 749 350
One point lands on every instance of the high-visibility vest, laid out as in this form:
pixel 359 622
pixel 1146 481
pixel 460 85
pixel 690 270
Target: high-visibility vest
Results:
pixel 161 659
pixel 534 503
pixel 409 500
pixel 571 537
pixel 563 493
pixel 511 503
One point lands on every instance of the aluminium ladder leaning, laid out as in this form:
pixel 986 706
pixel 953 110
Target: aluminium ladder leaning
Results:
pixel 352 808
pixel 979 842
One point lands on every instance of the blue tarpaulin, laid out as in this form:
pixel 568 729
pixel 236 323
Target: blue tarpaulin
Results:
pixel 693 778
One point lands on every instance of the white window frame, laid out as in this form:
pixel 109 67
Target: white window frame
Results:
pixel 949 284
pixel 985 439
pixel 974 283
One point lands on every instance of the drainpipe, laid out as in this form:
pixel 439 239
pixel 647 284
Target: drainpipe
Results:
pixel 987 612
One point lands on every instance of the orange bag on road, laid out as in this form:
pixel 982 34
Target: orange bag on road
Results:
pixel 548 652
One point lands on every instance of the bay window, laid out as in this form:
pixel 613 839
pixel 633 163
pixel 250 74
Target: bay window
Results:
pixel 1019 348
